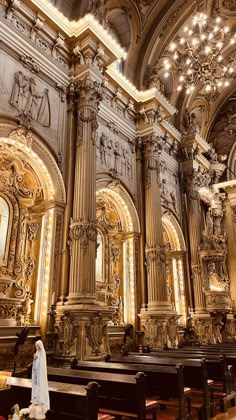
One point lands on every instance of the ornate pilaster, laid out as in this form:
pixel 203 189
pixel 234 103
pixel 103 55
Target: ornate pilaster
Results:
pixel 195 177
pixel 70 163
pixel 141 210
pixel 159 321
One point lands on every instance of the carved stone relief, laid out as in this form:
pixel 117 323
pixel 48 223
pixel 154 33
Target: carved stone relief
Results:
pixel 96 330
pixel 83 231
pixel 28 100
pixel 168 195
pixel 115 155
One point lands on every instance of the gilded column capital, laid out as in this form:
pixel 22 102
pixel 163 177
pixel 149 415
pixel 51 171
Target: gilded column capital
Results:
pixel 155 253
pixel 83 230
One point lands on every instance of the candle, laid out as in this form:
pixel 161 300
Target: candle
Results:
pixel 53 298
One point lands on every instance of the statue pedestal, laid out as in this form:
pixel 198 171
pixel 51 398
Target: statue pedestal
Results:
pixel 161 330
pixel 83 332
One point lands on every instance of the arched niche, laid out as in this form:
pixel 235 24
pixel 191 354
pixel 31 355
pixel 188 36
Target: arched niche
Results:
pixel 33 185
pixel 176 257
pixel 119 229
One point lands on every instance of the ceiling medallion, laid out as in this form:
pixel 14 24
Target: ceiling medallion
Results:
pixel 197 55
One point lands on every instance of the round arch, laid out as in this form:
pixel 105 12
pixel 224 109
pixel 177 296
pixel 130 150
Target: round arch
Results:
pixel 174 232
pixel 123 201
pixel 24 146
pixel 175 252
pixel 120 279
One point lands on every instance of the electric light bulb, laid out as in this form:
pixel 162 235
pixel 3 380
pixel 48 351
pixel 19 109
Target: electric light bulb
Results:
pixel 208 88
pixel 181 78
pixel 219 84
pixel 172 46
pixel 231 70
pixel 179 88
pixel 188 91
pixel 166 75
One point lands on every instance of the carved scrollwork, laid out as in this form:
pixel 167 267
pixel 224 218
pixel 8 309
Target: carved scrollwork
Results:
pixel 155 332
pixel 67 332
pixel 83 231
pixel 32 231
pixel 155 254
pixel 29 267
pixel 5 286
pixel 96 330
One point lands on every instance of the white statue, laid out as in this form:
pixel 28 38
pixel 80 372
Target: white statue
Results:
pixel 39 396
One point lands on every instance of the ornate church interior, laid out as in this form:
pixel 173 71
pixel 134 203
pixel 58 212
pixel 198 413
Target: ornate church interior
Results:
pixel 117 176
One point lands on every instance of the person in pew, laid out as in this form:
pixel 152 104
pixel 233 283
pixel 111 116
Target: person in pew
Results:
pixel 39 395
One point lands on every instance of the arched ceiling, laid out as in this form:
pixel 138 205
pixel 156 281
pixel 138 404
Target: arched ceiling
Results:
pixel 145 28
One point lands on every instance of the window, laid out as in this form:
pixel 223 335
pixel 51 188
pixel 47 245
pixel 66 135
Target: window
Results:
pixel 4 224
pixel 99 260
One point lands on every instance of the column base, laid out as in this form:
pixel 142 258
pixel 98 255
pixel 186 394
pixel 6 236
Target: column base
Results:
pixel 82 332
pixel 76 299
pixel 161 329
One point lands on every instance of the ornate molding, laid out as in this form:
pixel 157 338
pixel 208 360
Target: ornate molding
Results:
pixel 96 330
pixel 83 231
pixel 155 254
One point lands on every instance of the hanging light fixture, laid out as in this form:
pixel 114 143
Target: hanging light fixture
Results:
pixel 197 55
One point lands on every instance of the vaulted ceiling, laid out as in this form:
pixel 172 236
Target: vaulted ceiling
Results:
pixel 145 28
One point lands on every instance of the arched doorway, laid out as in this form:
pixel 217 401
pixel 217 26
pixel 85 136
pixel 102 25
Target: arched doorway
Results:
pixel 32 187
pixel 175 253
pixel 118 233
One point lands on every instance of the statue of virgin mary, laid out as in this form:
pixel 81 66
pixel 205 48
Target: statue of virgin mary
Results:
pixel 39 395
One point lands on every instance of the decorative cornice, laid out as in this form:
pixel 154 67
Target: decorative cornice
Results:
pixel 141 96
pixel 76 28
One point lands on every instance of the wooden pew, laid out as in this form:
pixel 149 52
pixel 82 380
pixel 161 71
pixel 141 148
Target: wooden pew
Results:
pixel 218 369
pixel 66 401
pixel 119 395
pixel 195 374
pixel 165 382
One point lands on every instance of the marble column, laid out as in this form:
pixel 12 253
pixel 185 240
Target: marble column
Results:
pixel 83 230
pixel 70 164
pixel 195 237
pixel 160 320
pixel 82 331
pixel 154 249
pixel 141 212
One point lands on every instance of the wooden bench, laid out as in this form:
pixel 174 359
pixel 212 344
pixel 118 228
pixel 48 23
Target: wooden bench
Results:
pixel 218 369
pixel 195 375
pixel 66 401
pixel 164 382
pixel 119 395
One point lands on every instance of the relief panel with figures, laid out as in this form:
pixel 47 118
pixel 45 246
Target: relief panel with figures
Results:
pixel 116 155
pixel 22 93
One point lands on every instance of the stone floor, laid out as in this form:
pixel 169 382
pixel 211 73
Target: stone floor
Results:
pixel 231 414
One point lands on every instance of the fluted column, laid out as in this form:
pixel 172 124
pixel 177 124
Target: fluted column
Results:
pixel 154 249
pixel 70 161
pixel 195 237
pixel 83 231
pixel 140 206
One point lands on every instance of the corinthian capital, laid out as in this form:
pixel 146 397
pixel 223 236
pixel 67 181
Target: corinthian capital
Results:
pixel 153 146
pixel 90 93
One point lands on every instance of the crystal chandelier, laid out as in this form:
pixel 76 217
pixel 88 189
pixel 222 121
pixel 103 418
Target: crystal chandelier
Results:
pixel 197 55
